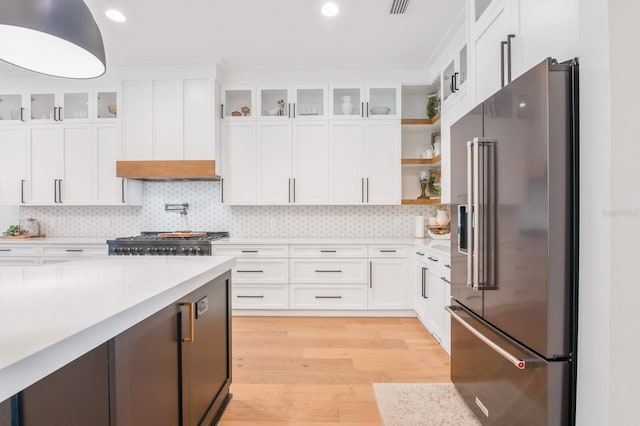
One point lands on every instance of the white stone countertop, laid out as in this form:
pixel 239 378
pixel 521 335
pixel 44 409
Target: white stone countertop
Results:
pixel 441 247
pixel 56 240
pixel 51 315
pixel 314 240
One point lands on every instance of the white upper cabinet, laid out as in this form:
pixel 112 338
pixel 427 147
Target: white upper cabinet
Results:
pixel 310 162
pixel 238 103
pixel 364 162
pixel 46 106
pixel 14 173
pixel 168 119
pixel 47 165
pixel 79 179
pixel 508 37
pixel 239 163
pixel 13 107
pixel 373 101
pixel 275 162
pixel 278 103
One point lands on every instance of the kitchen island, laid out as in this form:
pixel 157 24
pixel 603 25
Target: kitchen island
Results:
pixel 53 315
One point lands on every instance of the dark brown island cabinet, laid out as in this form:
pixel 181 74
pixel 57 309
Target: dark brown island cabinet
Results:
pixel 173 368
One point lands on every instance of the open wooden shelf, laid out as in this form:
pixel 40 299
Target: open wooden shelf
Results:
pixel 416 201
pixel 420 161
pixel 421 121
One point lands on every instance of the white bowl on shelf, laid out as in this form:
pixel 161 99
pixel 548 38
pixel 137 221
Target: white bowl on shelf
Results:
pixel 446 236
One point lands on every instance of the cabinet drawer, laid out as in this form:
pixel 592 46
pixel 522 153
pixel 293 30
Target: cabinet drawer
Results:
pixel 329 251
pixel 349 296
pixel 348 271
pixel 267 271
pixel 18 261
pixel 267 296
pixel 388 251
pixel 73 250
pixel 251 251
pixel 7 250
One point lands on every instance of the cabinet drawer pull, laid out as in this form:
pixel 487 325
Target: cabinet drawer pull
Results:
pixel 249 297
pixel 259 271
pixel 328 297
pixel 192 336
pixel 445 280
pixel 419 254
pixel 446 265
pixel 329 270
pixel 328 251
pixel 249 251
pixel 22 114
pixel 433 259
pixel 222 111
pixel 387 251
pixel 5 249
pixel 74 250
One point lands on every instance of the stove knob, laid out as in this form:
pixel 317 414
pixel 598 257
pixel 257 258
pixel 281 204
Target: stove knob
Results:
pixel 126 250
pixel 140 251
pixel 116 250
pixel 192 250
pixel 173 251
pixel 199 251
pixel 184 250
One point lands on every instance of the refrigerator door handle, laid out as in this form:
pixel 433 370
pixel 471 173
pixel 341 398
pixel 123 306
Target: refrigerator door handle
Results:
pixel 484 212
pixel 470 214
pixel 520 364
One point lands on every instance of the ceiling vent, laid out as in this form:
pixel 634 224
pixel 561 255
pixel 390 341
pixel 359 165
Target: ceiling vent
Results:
pixel 398 7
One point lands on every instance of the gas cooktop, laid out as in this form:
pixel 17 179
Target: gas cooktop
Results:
pixel 166 243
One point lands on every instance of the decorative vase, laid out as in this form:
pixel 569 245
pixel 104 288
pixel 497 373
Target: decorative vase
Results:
pixel 436 148
pixel 442 217
pixel 347 106
pixel 30 226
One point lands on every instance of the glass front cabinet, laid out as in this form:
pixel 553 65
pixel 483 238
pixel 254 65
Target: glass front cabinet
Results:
pixel 306 103
pixel 379 101
pixel 43 106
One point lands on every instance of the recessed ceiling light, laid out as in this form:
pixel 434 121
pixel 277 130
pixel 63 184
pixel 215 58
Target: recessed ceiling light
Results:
pixel 115 15
pixel 330 9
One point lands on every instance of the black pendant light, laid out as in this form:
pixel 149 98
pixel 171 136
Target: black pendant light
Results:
pixel 54 37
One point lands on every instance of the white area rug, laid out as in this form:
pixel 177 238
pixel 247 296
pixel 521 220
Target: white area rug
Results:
pixel 414 404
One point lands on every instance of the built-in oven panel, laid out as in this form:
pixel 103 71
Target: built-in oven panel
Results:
pixel 486 372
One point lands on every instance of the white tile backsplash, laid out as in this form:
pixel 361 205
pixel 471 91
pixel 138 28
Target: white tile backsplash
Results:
pixel 207 213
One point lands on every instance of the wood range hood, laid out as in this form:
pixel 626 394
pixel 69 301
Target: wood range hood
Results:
pixel 169 170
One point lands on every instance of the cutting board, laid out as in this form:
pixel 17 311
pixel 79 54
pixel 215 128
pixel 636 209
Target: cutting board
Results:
pixel 20 237
pixel 181 234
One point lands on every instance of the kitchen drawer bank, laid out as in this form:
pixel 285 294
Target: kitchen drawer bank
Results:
pixel 84 366
pixel 39 251
pixel 320 277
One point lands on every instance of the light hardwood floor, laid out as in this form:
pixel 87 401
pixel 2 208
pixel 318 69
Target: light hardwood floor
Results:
pixel 320 371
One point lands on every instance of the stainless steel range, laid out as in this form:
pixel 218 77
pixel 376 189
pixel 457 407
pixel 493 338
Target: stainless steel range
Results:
pixel 165 244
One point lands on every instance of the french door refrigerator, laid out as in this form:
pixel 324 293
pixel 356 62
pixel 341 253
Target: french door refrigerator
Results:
pixel 514 274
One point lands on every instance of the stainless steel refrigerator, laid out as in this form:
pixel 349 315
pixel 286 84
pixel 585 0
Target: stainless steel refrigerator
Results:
pixel 514 266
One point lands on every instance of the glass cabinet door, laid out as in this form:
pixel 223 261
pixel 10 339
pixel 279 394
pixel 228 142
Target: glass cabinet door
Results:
pixel 447 81
pixel 42 106
pixel 347 101
pixel 107 105
pixel 383 102
pixel 274 103
pixel 75 106
pixel 238 104
pixel 462 65
pixel 11 108
pixel 310 103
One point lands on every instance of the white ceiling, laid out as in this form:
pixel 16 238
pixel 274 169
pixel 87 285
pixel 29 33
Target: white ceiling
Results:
pixel 273 33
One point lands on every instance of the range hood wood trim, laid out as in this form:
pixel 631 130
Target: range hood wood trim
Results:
pixel 167 170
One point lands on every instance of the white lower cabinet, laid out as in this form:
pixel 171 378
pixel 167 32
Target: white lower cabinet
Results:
pixel 19 254
pixel 260 279
pixel 262 271
pixel 388 277
pixel 260 296
pixel 328 296
pixel 343 271
pixel 300 277
pixel 432 295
